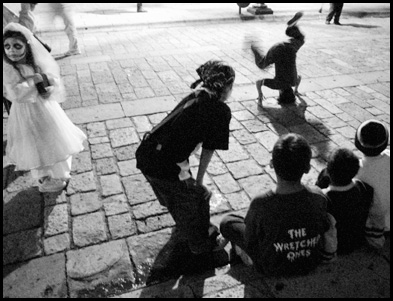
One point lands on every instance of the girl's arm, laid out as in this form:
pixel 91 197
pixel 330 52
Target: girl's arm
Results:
pixel 23 92
pixel 53 80
pixel 206 156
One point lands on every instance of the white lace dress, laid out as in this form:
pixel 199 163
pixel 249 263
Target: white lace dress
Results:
pixel 40 136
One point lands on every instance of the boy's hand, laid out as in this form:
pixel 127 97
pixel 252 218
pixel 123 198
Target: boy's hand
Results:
pixel 191 182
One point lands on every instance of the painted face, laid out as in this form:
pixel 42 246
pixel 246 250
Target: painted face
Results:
pixel 15 49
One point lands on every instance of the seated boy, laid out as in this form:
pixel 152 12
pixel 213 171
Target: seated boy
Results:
pixel 349 199
pixel 372 138
pixel 285 227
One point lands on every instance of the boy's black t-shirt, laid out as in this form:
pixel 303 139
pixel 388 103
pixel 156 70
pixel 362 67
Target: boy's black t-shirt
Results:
pixel 206 121
pixel 283 232
pixel 350 209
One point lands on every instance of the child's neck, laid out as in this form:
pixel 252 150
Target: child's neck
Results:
pixel 287 187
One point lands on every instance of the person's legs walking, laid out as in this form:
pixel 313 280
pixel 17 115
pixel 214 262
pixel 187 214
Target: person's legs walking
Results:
pixel 70 29
pixel 331 13
pixel 338 10
pixel 139 8
pixel 26 16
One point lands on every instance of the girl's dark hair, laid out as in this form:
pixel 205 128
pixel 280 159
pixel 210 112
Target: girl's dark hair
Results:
pixel 29 54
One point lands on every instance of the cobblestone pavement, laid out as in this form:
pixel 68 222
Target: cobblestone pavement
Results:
pixel 107 234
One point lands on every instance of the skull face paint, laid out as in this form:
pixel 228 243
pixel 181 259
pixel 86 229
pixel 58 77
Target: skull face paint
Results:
pixel 15 49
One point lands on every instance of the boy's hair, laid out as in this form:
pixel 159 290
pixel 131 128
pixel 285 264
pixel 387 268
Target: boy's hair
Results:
pixel 343 165
pixel 215 75
pixel 372 137
pixel 286 96
pixel 291 157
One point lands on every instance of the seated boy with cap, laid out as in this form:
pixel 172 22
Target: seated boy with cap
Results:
pixel 371 139
pixel 349 198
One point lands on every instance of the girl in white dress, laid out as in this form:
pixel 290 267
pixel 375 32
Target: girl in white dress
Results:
pixel 41 137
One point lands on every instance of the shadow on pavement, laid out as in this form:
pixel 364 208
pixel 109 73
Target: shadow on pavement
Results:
pixel 363 14
pixel 9 173
pixel 254 286
pixel 175 261
pixel 22 217
pixel 293 117
pixel 359 25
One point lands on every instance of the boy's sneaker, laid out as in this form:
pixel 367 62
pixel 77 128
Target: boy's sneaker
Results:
pixel 51 185
pixel 295 18
pixel 221 243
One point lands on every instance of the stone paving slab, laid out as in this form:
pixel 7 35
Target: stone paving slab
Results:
pixel 43 277
pixel 22 210
pixel 96 113
pixel 98 266
pixel 148 106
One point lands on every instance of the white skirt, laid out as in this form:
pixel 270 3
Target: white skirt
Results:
pixel 41 137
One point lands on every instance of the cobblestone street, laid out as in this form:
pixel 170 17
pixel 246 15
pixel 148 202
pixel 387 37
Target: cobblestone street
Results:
pixel 107 234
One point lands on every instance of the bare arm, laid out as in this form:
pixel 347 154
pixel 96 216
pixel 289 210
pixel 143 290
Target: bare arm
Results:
pixel 206 156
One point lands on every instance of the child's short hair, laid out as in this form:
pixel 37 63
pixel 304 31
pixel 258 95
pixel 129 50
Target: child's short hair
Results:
pixel 343 165
pixel 291 157
pixel 372 137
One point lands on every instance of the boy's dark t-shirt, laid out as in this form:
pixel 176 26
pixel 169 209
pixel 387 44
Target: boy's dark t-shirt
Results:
pixel 283 232
pixel 350 209
pixel 285 62
pixel 206 121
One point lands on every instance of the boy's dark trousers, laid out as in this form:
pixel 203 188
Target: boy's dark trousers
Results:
pixel 188 204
